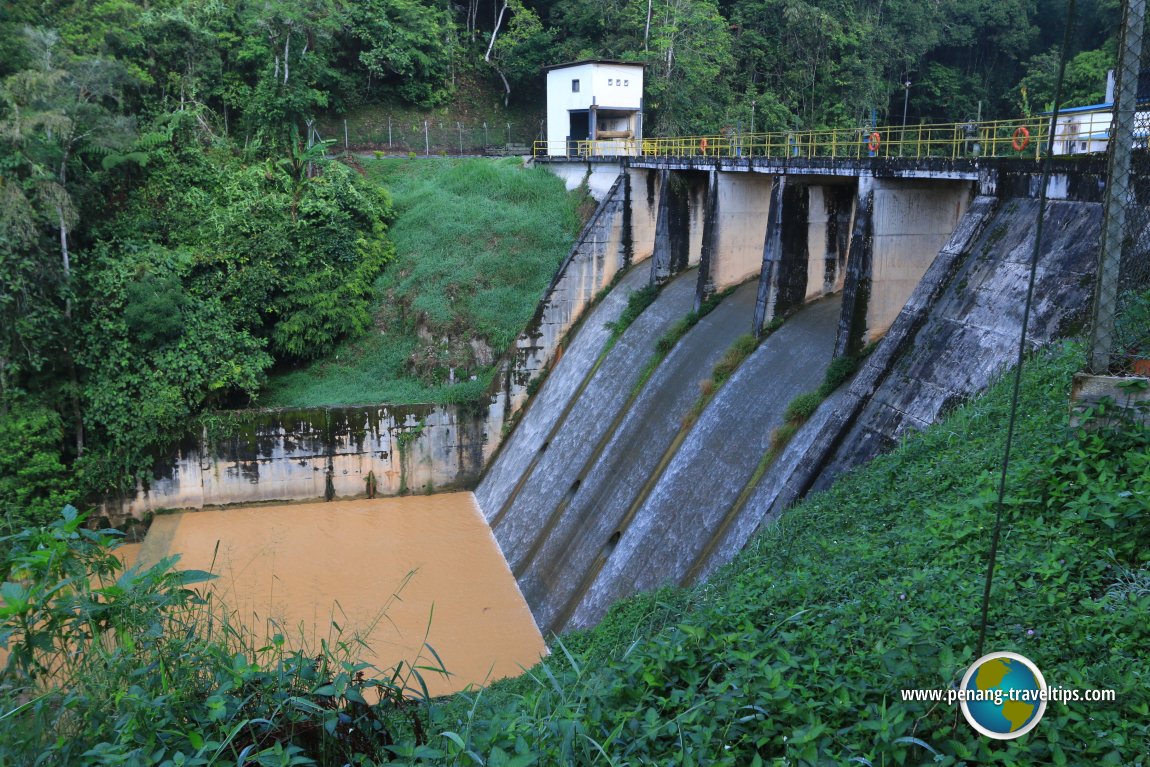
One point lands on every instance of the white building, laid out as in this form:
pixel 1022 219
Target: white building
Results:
pixel 594 108
pixel 1083 130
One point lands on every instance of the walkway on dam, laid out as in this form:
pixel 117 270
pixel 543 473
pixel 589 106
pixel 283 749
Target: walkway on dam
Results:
pixel 1026 138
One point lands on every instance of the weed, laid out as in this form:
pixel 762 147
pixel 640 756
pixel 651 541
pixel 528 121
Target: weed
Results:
pixel 802 407
pixel 637 301
pixel 840 369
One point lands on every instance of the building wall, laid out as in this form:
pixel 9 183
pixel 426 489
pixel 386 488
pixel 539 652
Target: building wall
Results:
pixel 593 88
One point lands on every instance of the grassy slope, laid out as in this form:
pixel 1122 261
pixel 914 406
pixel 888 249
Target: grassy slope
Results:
pixel 796 653
pixel 477 243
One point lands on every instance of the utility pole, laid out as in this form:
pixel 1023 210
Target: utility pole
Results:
pixel 1119 189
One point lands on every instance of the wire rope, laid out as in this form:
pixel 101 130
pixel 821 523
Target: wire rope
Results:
pixel 997 534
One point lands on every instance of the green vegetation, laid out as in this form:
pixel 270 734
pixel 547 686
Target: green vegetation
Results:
pixel 133 668
pixel 741 348
pixel 171 231
pixel 477 242
pixel 803 406
pixel 637 301
pixel 795 653
pixel 1132 327
pixel 673 335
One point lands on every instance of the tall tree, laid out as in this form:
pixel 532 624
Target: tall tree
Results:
pixel 58 115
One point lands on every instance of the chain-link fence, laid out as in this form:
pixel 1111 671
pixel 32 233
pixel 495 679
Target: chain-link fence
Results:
pixel 1120 332
pixel 435 137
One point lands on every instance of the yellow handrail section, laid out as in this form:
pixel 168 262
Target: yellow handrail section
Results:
pixel 1023 138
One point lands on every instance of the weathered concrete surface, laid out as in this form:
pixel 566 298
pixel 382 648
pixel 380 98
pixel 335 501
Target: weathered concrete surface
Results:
pixel 600 175
pixel 687 507
pixel 295 455
pixel 612 479
pixel 912 220
pixel 972 333
pixel 797 469
pixel 644 211
pixel 744 201
pixel 553 474
pixel 568 377
pixel 957 332
pixel 830 216
pixel 1124 398
pixel 604 248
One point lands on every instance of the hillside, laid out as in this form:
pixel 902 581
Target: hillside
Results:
pixel 477 242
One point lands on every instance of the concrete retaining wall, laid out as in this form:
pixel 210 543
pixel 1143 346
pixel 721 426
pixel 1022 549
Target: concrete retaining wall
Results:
pixel 295 455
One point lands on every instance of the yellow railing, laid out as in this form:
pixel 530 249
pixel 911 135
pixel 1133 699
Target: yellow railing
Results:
pixel 1024 138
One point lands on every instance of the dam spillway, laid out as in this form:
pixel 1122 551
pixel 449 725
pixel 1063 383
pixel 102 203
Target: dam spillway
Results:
pixel 612 481
pixel 579 497
pixel 634 501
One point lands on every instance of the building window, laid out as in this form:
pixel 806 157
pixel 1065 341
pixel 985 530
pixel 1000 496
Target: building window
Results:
pixel 610 81
pixel 626 83
pixel 574 86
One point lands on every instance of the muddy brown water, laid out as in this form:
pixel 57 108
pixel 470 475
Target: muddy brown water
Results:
pixel 401 571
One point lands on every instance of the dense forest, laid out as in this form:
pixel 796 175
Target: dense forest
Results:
pixel 168 235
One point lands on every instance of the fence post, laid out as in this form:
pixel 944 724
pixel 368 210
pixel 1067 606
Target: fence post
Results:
pixel 426 141
pixel 1118 188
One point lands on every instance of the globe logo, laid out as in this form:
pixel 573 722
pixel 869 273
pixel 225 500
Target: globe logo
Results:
pixel 1003 695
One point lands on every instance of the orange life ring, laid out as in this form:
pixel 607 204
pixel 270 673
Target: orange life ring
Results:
pixel 875 141
pixel 703 145
pixel 1021 138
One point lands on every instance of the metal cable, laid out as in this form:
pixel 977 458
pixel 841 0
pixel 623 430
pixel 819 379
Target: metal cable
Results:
pixel 992 559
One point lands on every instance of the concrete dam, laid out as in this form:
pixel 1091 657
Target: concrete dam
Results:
pixel 624 447
pixel 606 486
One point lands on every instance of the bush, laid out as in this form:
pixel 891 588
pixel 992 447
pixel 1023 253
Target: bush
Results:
pixel 733 357
pixel 637 301
pixel 34 482
pixel 476 244
pixel 840 369
pixel 802 407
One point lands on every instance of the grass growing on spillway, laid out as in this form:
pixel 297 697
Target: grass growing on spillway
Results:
pixel 477 243
pixel 797 652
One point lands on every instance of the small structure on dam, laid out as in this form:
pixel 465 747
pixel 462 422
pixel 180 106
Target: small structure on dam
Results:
pixel 595 107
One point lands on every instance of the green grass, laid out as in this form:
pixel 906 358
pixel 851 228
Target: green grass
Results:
pixel 796 653
pixel 477 243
